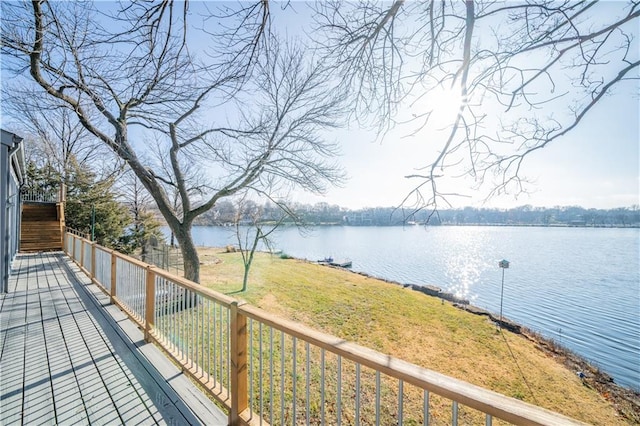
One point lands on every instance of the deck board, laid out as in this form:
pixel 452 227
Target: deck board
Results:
pixel 38 399
pixel 12 355
pixel 65 360
pixel 69 408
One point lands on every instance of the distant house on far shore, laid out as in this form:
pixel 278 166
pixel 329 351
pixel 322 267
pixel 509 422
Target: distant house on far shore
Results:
pixel 12 174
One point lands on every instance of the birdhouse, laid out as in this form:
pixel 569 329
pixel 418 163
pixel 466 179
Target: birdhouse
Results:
pixel 503 264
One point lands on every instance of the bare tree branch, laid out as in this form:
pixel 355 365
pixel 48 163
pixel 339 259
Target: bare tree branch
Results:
pixel 530 58
pixel 248 113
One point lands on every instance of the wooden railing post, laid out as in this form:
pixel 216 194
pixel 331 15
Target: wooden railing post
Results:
pixel 112 295
pixel 73 248
pixel 82 253
pixel 150 302
pixel 239 379
pixel 61 219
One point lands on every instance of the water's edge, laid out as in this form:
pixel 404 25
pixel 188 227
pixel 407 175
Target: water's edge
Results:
pixel 625 400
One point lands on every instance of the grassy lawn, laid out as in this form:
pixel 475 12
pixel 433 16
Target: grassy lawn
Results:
pixel 408 325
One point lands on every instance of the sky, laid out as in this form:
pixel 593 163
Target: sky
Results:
pixel 597 165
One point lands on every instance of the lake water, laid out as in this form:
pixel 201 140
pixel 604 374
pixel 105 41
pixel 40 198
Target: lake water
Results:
pixel 579 286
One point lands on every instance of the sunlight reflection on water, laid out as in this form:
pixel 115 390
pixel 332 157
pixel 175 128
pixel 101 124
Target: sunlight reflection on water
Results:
pixel 465 263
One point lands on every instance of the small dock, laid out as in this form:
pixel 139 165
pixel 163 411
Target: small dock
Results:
pixel 69 357
pixel 344 263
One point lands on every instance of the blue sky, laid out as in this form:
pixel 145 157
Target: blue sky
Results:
pixel 596 165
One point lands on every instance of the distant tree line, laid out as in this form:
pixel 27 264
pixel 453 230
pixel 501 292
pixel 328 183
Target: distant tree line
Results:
pixel 325 214
pixel 540 216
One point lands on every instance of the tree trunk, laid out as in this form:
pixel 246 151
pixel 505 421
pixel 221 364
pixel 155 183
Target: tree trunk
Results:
pixel 189 253
pixel 249 260
pixel 245 277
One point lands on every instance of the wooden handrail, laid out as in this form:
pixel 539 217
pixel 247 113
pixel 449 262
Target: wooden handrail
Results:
pixel 219 298
pixel 473 396
pixel 479 398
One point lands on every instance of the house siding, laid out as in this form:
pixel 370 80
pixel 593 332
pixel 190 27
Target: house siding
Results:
pixel 12 176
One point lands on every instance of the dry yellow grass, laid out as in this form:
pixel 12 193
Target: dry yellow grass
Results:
pixel 408 325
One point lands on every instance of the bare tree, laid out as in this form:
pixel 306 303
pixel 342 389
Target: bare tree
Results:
pixel 526 74
pixel 144 224
pixel 253 228
pixel 249 111
pixel 57 137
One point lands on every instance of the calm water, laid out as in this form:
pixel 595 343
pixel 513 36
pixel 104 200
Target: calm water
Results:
pixel 579 286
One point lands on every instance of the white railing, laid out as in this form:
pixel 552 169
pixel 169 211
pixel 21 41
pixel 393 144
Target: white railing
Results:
pixel 271 371
pixel 130 280
pixel 87 257
pixel 40 195
pixel 102 269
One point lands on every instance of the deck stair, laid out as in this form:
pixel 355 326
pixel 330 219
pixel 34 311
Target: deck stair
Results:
pixel 41 228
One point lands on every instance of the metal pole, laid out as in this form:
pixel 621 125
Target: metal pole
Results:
pixel 93 222
pixel 503 264
pixel 501 297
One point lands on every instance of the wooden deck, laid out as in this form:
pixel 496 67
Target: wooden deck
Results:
pixel 68 357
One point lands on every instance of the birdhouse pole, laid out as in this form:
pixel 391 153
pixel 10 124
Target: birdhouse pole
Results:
pixel 503 264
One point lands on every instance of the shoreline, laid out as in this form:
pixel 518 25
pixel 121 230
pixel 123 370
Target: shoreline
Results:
pixel 625 400
pixel 407 225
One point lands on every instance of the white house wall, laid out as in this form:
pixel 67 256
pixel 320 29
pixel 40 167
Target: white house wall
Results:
pixel 11 176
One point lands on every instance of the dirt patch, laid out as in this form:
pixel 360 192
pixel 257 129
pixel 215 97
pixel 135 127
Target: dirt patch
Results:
pixel 209 259
pixel 271 304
